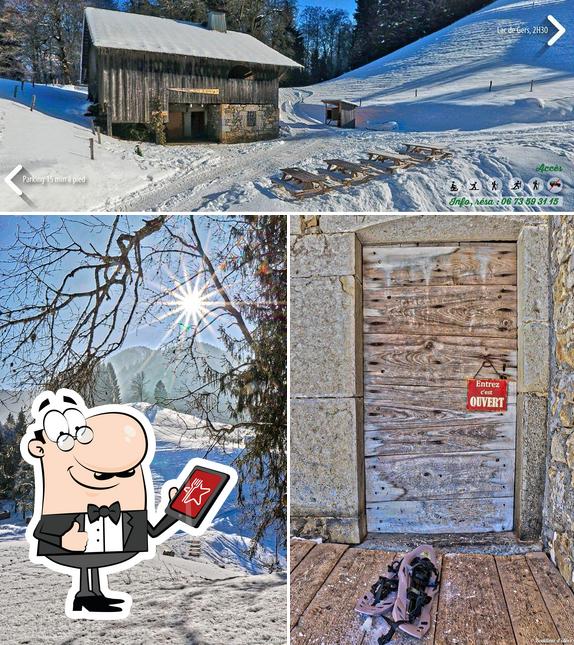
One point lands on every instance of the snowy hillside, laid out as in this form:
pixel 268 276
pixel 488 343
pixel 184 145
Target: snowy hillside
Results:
pixel 197 603
pixel 228 551
pixel 182 430
pixel 435 91
pixel 451 72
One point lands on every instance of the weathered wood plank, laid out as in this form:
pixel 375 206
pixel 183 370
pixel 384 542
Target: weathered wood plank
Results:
pixel 298 549
pixel 400 638
pixel 530 618
pixel 441 516
pixel 489 311
pixel 439 476
pixel 307 580
pixel 439 265
pixel 396 405
pixel 557 595
pixel 331 617
pixel 471 607
pixel 403 359
pixel 452 437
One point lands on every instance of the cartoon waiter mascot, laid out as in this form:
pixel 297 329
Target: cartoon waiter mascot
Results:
pixel 94 510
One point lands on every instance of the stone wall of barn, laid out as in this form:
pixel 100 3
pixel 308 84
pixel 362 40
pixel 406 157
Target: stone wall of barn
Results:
pixel 242 122
pixel 559 498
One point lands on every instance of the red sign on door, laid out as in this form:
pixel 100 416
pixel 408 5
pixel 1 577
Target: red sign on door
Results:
pixel 487 395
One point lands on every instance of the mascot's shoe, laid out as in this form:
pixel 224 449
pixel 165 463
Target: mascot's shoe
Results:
pixel 383 594
pixel 418 584
pixel 110 601
pixel 94 603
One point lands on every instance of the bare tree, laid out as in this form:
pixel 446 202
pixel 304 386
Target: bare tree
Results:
pixel 73 288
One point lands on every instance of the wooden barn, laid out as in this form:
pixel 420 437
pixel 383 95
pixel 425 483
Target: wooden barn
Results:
pixel 208 83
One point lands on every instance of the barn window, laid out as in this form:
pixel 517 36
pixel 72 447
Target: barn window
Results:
pixel 252 119
pixel 241 72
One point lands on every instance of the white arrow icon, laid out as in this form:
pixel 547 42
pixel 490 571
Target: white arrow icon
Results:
pixel 559 34
pixel 11 176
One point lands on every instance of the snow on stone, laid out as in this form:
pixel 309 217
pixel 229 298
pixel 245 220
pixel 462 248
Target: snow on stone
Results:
pixel 120 30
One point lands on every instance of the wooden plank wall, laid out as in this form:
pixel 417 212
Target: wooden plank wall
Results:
pixel 431 316
pixel 129 80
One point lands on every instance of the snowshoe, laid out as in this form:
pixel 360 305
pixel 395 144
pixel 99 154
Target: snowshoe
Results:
pixel 418 584
pixel 383 594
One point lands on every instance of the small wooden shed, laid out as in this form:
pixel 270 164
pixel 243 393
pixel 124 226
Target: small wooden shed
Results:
pixel 206 81
pixel 340 113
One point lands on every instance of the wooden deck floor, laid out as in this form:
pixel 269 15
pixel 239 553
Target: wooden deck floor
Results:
pixel 483 599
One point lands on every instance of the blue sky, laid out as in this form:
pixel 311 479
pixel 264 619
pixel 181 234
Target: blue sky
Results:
pixel 155 333
pixel 347 5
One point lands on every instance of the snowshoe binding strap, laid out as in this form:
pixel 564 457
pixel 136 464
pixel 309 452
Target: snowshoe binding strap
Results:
pixel 386 584
pixel 418 584
pixel 393 626
pixel 422 570
pixel 382 595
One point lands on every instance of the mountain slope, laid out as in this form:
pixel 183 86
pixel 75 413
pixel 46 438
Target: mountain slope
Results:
pixel 162 364
pixel 451 70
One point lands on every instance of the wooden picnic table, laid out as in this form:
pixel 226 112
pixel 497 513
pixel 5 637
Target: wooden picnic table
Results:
pixel 432 152
pixel 346 167
pixel 395 157
pixel 418 147
pixel 303 177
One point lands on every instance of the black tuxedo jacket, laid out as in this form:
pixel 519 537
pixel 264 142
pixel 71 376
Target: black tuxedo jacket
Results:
pixel 136 529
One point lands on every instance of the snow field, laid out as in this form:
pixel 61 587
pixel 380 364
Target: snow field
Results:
pixel 174 601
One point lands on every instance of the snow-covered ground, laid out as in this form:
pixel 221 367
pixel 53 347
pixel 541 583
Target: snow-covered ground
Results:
pixel 174 601
pixel 499 135
pixel 184 430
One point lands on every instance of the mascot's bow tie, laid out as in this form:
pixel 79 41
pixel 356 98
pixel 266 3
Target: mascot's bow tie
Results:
pixel 113 512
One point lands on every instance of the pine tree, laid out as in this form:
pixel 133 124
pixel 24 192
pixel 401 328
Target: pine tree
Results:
pixel 10 421
pixel 138 387
pixel 10 43
pixel 160 394
pixel 261 388
pixel 368 32
pixel 115 393
pixel 23 490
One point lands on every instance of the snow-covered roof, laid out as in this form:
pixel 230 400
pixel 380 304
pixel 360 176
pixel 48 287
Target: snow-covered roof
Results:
pixel 120 30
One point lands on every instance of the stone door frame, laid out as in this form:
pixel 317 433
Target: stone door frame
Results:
pixel 327 432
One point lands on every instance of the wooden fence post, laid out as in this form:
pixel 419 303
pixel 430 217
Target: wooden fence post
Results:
pixel 33 103
pixel 99 131
pixel 532 86
pixel 15 91
pixel 92 148
pixel 490 88
pixel 416 93
pixel 22 85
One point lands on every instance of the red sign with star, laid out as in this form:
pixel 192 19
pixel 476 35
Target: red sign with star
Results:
pixel 196 492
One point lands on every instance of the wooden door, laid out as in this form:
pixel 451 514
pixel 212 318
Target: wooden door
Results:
pixel 432 314
pixel 175 126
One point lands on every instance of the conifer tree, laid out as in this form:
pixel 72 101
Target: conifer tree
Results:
pixel 160 394
pixel 115 393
